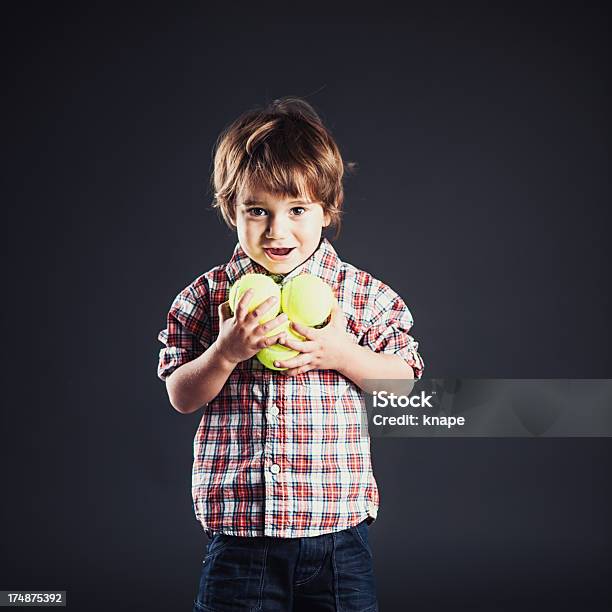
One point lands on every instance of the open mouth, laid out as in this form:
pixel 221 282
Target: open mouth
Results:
pixel 278 253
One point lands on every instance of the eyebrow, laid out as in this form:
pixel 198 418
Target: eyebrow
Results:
pixel 252 202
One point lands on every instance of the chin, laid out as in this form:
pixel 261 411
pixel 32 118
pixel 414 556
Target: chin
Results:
pixel 278 269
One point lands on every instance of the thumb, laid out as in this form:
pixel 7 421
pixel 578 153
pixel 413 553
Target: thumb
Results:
pixel 225 312
pixel 336 311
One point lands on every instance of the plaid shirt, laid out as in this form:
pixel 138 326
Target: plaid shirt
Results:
pixel 285 456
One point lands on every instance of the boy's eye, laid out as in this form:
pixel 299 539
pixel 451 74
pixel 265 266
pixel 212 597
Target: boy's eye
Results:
pixel 256 212
pixel 298 210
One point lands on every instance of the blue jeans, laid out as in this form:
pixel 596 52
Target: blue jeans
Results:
pixel 328 572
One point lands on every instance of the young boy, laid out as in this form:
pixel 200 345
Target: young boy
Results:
pixel 282 476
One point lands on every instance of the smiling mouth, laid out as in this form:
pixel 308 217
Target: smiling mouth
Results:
pixel 278 253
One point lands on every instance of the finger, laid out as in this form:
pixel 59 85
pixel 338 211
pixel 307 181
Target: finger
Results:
pixel 267 341
pixel 242 307
pixel 273 324
pixel 261 310
pixel 225 312
pixel 298 345
pixel 307 332
pixel 295 362
pixel 296 371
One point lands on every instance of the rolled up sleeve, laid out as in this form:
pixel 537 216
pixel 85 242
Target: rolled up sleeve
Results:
pixel 389 327
pixel 187 334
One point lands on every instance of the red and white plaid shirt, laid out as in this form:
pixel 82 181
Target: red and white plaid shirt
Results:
pixel 285 456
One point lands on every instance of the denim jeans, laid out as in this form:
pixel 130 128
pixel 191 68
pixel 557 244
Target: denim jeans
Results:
pixel 327 572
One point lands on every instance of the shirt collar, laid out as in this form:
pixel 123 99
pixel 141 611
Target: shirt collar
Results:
pixel 324 263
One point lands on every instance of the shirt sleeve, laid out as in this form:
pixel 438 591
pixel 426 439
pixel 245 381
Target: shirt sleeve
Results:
pixel 187 334
pixel 389 327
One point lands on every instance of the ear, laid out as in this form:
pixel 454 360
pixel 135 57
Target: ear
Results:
pixel 232 219
pixel 326 219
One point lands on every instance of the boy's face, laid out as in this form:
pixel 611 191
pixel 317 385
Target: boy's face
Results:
pixel 278 233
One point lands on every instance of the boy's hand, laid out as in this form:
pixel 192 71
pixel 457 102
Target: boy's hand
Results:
pixel 323 349
pixel 241 336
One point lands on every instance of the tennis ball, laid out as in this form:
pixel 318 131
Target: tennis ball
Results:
pixel 307 300
pixel 263 288
pixel 277 352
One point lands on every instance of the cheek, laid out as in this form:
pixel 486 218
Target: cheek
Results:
pixel 314 228
pixel 247 228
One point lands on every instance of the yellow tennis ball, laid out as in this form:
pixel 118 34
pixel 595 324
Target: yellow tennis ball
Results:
pixel 277 352
pixel 263 287
pixel 306 299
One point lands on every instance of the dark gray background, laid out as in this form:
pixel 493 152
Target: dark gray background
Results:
pixel 482 197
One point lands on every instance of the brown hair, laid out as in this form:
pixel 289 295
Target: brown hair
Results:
pixel 285 150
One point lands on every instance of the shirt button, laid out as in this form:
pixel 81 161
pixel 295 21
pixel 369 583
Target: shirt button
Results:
pixel 275 468
pixel 273 410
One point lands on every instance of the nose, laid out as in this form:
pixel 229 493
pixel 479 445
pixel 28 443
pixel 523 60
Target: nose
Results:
pixel 277 227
